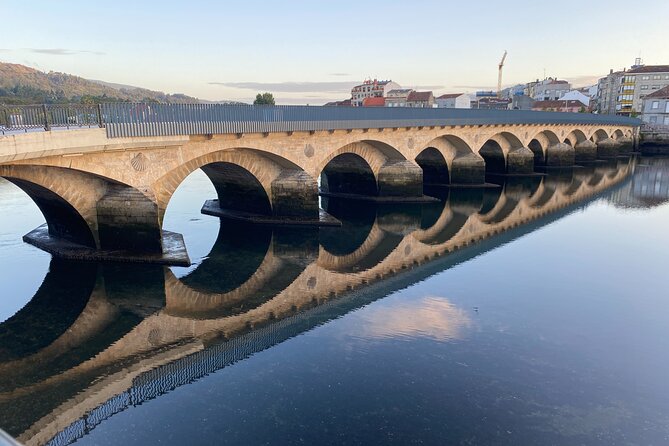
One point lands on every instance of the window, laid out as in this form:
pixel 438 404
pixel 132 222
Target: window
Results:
pixel 645 78
pixel 653 119
pixel 666 107
pixel 655 87
pixel 655 105
pixel 666 120
pixel 656 77
pixel 644 87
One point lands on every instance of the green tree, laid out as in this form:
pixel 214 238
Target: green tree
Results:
pixel 264 99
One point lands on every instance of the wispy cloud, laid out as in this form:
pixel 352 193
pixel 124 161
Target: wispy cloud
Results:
pixel 426 87
pixel 62 51
pixel 475 87
pixel 340 74
pixel 291 87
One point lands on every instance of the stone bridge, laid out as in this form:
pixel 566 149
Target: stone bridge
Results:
pixel 104 191
pixel 188 327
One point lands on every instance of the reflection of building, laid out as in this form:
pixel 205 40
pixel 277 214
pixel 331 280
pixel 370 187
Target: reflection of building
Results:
pixel 649 186
pixel 371 88
pixel 656 107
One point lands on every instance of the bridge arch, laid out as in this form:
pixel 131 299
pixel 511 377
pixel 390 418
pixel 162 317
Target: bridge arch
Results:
pixel 449 159
pixel 370 169
pixel 504 153
pixel 599 135
pixel 247 181
pixel 574 137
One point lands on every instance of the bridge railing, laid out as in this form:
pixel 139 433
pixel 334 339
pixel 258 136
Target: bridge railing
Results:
pixel 47 117
pixel 151 119
pixel 133 119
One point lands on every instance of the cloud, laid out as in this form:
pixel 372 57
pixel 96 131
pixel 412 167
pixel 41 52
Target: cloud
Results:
pixel 62 51
pixel 340 74
pixel 426 87
pixel 582 81
pixel 476 87
pixel 292 87
pixel 4 50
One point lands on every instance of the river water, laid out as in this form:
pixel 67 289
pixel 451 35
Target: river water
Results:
pixel 534 313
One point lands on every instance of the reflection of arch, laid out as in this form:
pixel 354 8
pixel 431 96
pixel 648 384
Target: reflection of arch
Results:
pixel 444 229
pixel 242 271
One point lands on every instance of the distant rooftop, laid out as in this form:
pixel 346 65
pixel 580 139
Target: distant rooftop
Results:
pixel 419 96
pixel 450 95
pixel 662 93
pixel 650 69
pixel 558 104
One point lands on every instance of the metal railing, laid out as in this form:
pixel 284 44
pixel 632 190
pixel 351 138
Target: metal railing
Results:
pixel 48 117
pixel 149 119
pixel 131 119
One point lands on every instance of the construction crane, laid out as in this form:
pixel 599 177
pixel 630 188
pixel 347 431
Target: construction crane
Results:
pixel 499 76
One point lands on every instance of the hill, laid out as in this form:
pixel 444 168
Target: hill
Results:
pixel 20 84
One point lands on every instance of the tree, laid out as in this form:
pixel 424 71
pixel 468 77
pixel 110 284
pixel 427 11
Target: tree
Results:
pixel 264 99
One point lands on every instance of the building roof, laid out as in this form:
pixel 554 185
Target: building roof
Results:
pixel 374 102
pixel 662 93
pixel 558 104
pixel 555 81
pixel 420 96
pixel 650 69
pixel 344 103
pixel 450 95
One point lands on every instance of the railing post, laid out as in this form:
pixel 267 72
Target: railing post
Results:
pixel 100 123
pixel 47 127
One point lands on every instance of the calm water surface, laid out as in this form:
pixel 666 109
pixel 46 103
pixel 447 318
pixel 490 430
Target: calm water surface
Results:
pixel 534 313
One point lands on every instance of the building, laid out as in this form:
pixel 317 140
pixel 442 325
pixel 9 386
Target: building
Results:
pixel 371 88
pixel 454 100
pixel 607 92
pixel 521 102
pixel 549 89
pixel 344 103
pixel 374 101
pixel 568 106
pixel 491 103
pixel 398 97
pixel 639 82
pixel 576 95
pixel 656 107
pixel 420 99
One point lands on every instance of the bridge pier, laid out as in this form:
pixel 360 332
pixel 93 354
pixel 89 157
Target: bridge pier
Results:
pixel 607 148
pixel 585 151
pixel 292 198
pixel 468 169
pixel 397 181
pixel 520 161
pixel 560 155
pixel 626 144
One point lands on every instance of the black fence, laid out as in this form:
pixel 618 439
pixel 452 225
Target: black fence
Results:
pixel 148 119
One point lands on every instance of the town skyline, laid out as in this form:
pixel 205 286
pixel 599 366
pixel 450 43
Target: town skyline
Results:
pixel 210 60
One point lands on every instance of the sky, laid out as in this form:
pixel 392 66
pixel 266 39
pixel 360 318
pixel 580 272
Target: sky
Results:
pixel 314 51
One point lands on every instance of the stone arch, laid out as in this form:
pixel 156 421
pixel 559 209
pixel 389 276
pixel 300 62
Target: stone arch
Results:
pixel 574 137
pixel 434 165
pixel 617 134
pixel 550 151
pixel 599 135
pixel 504 154
pixel 247 181
pixel 67 198
pixel 462 164
pixel 349 171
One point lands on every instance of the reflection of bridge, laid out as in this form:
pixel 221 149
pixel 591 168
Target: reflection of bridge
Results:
pixel 104 192
pixel 113 351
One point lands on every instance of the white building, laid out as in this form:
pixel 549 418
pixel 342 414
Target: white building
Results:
pixel 576 95
pixel 454 100
pixel 371 89
pixel 398 98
